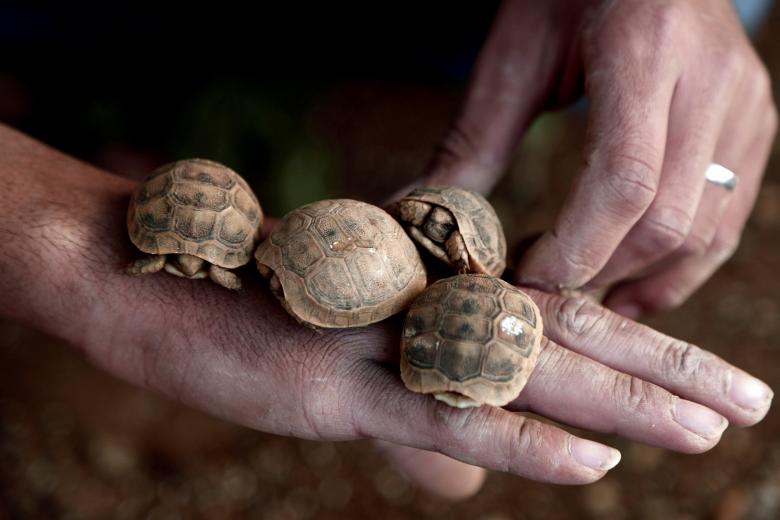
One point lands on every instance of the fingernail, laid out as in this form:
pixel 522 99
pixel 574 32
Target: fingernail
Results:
pixel 631 311
pixel 748 392
pixel 594 455
pixel 699 419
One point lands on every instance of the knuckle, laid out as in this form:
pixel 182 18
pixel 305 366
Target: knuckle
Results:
pixel 632 182
pixel 759 83
pixel 582 263
pixel 526 438
pixel 730 64
pixel 665 20
pixel 576 262
pixel 647 28
pixel 641 27
pixel 666 297
pixel 633 394
pixel 695 245
pixel 724 246
pixel 456 424
pixel 680 361
pixel 577 315
pixel 666 229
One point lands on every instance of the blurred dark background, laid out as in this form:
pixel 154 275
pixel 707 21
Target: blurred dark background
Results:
pixel 309 102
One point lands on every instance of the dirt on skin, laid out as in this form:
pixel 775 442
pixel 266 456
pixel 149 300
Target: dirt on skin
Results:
pixel 76 443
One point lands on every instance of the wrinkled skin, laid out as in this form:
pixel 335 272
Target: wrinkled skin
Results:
pixel 672 85
pixel 240 356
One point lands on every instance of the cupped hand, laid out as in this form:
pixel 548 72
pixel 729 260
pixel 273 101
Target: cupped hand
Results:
pixel 672 85
pixel 239 356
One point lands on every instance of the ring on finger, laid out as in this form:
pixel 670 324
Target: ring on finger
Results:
pixel 720 175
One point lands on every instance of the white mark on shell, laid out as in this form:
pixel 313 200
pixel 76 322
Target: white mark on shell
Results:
pixel 512 326
pixel 342 245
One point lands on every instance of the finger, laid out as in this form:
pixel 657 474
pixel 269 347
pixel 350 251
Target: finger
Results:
pixel 511 83
pixel 587 328
pixel 670 231
pixel 670 287
pixel 699 107
pixel 625 146
pixel 743 147
pixel 486 436
pixel 435 473
pixel 599 398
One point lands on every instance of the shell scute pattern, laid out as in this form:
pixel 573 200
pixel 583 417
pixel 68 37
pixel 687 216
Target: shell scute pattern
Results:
pixel 291 225
pixel 193 225
pixel 214 177
pixel 333 285
pixel 342 263
pixel 158 215
pixel 519 306
pixel 196 207
pixel 498 364
pixel 363 266
pixel 300 253
pixel 466 329
pixel 196 196
pixel 460 336
pixel 457 361
pixel 423 350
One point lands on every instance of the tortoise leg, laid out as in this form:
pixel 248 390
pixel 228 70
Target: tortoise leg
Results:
pixel 265 271
pixel 439 224
pixel 413 211
pixel 278 291
pixel 276 286
pixel 224 277
pixel 456 252
pixel 429 244
pixel 146 265
pixel 273 281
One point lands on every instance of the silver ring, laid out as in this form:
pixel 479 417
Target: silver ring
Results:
pixel 720 175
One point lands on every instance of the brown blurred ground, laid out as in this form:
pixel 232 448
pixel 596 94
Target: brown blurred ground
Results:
pixel 75 443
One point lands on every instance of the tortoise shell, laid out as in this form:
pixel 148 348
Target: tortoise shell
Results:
pixel 477 222
pixel 472 336
pixel 196 207
pixel 342 263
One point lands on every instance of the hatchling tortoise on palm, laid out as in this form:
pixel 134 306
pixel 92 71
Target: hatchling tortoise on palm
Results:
pixel 471 339
pixel 195 218
pixel 341 263
pixel 457 226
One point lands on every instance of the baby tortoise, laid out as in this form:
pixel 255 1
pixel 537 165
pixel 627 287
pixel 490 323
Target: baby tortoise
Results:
pixel 457 226
pixel 471 339
pixel 341 263
pixel 196 219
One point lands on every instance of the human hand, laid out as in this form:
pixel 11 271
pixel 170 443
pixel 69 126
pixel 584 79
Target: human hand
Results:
pixel 239 356
pixel 672 86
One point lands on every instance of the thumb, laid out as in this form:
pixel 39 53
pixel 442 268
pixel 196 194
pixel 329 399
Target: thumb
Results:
pixel 523 58
pixel 435 473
